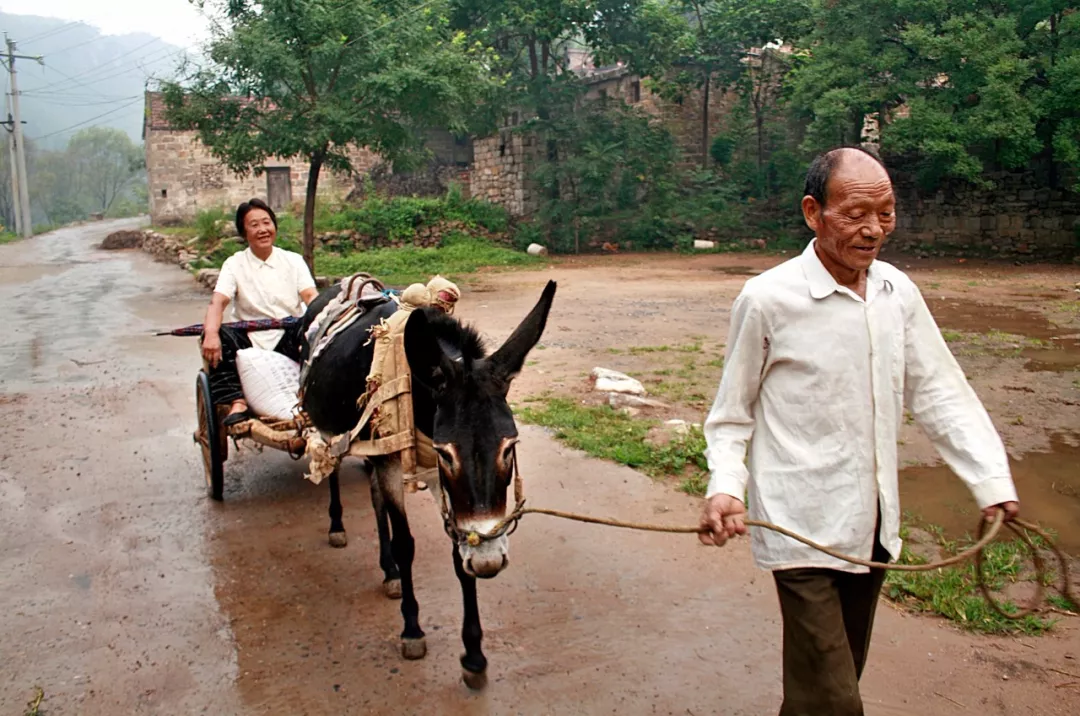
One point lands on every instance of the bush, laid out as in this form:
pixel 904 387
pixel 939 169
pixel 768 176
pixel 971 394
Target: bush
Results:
pixel 209 225
pixel 397 219
pixel 722 149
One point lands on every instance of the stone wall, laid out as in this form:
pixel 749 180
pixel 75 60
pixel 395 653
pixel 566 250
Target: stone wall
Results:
pixel 185 179
pixel 431 180
pixel 1019 219
pixel 500 171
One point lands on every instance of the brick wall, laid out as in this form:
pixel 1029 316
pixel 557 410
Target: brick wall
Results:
pixel 185 179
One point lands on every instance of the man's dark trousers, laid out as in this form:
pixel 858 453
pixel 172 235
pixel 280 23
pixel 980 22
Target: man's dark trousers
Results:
pixel 828 617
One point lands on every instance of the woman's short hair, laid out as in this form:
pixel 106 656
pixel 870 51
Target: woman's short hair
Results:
pixel 243 210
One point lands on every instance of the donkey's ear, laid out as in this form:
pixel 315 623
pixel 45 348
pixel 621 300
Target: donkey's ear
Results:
pixel 507 361
pixel 428 363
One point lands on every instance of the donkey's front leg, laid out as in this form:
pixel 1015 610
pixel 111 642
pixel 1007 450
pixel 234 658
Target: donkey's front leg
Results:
pixel 413 645
pixel 338 538
pixel 473 661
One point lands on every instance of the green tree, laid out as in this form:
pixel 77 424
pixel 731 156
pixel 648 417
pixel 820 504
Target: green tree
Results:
pixel 105 164
pixel 715 55
pixel 314 78
pixel 615 171
pixel 537 44
pixel 960 86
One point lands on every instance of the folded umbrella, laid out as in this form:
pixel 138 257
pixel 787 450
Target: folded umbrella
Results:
pixel 261 324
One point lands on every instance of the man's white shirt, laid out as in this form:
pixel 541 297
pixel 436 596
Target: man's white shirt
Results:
pixel 812 397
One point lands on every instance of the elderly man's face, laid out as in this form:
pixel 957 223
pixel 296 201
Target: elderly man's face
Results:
pixel 859 212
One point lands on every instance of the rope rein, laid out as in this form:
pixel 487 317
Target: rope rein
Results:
pixel 987 531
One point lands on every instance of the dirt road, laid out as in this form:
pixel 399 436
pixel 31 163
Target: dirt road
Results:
pixel 124 590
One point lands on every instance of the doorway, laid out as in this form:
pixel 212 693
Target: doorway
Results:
pixel 278 187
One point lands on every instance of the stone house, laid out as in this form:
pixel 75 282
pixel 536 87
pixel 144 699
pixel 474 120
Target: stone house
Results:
pixel 184 178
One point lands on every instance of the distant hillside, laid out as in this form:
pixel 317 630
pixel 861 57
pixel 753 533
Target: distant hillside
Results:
pixel 87 79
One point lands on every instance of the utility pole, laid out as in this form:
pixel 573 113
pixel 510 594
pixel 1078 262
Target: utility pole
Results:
pixel 15 208
pixel 20 151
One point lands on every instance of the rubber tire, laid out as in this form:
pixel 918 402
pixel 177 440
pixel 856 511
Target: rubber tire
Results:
pixel 212 453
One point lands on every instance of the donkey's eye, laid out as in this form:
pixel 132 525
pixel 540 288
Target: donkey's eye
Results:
pixel 508 450
pixel 446 455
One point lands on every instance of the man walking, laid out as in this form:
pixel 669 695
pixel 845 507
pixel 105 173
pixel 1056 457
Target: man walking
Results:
pixel 823 353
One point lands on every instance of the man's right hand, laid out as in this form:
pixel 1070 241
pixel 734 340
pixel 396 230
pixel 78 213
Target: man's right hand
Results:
pixel 211 349
pixel 722 518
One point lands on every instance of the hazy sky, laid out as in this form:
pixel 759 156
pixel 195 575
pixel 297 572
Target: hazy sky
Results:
pixel 175 21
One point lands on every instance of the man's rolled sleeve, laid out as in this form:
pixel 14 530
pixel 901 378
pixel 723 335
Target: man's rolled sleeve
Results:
pixel 946 407
pixel 730 423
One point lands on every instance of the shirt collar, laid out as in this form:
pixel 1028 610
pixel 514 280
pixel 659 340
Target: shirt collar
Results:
pixel 271 260
pixel 822 283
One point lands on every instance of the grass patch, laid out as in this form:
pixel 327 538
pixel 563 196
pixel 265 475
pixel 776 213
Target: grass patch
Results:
pixel 1059 602
pixel 459 254
pixel 605 433
pixel 952 592
pixel 641 350
pixel 992 343
pixel 6 237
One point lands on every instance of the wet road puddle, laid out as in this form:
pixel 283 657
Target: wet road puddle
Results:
pixel 1048 484
pixel 12 275
pixel 1059 348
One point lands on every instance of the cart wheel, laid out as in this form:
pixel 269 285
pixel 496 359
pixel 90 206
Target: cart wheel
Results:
pixel 210 438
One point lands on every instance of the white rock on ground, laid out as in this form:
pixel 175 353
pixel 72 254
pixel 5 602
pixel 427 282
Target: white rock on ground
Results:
pixel 612 381
pixel 680 427
pixel 620 400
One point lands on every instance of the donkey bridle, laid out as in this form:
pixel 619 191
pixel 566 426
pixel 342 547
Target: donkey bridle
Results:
pixel 506 526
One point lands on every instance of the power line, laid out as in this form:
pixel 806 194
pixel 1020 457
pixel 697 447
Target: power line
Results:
pixel 79 44
pixel 56 103
pixel 55 31
pixel 88 121
pixel 102 67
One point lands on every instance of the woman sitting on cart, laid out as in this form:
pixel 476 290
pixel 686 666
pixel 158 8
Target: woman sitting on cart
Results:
pixel 264 282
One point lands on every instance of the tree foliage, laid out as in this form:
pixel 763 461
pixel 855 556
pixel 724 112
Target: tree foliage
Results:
pixel 964 86
pixel 318 78
pixel 99 171
pixel 614 177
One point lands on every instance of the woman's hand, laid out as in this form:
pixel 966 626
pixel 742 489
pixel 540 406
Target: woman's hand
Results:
pixel 211 348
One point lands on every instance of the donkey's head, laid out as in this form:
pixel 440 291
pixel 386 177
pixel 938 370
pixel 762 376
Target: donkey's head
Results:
pixel 474 431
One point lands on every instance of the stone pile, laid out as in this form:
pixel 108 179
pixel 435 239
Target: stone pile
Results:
pixel 123 240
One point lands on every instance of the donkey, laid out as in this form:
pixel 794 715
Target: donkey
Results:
pixel 459 400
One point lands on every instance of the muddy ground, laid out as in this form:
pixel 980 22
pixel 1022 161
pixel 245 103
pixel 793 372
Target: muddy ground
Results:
pixel 123 589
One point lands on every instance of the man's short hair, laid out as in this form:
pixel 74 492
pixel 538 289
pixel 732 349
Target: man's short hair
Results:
pixel 244 209
pixel 817 177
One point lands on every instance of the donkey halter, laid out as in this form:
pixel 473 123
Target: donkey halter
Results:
pixel 506 526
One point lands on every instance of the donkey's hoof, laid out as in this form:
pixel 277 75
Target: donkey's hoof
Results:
pixel 392 588
pixel 475 680
pixel 338 539
pixel 413 649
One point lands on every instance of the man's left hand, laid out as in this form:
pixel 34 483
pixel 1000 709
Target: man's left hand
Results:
pixel 1011 510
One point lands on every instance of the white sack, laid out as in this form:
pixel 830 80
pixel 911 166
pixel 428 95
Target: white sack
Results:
pixel 270 382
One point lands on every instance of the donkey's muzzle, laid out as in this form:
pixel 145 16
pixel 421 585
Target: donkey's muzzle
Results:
pixel 487 558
